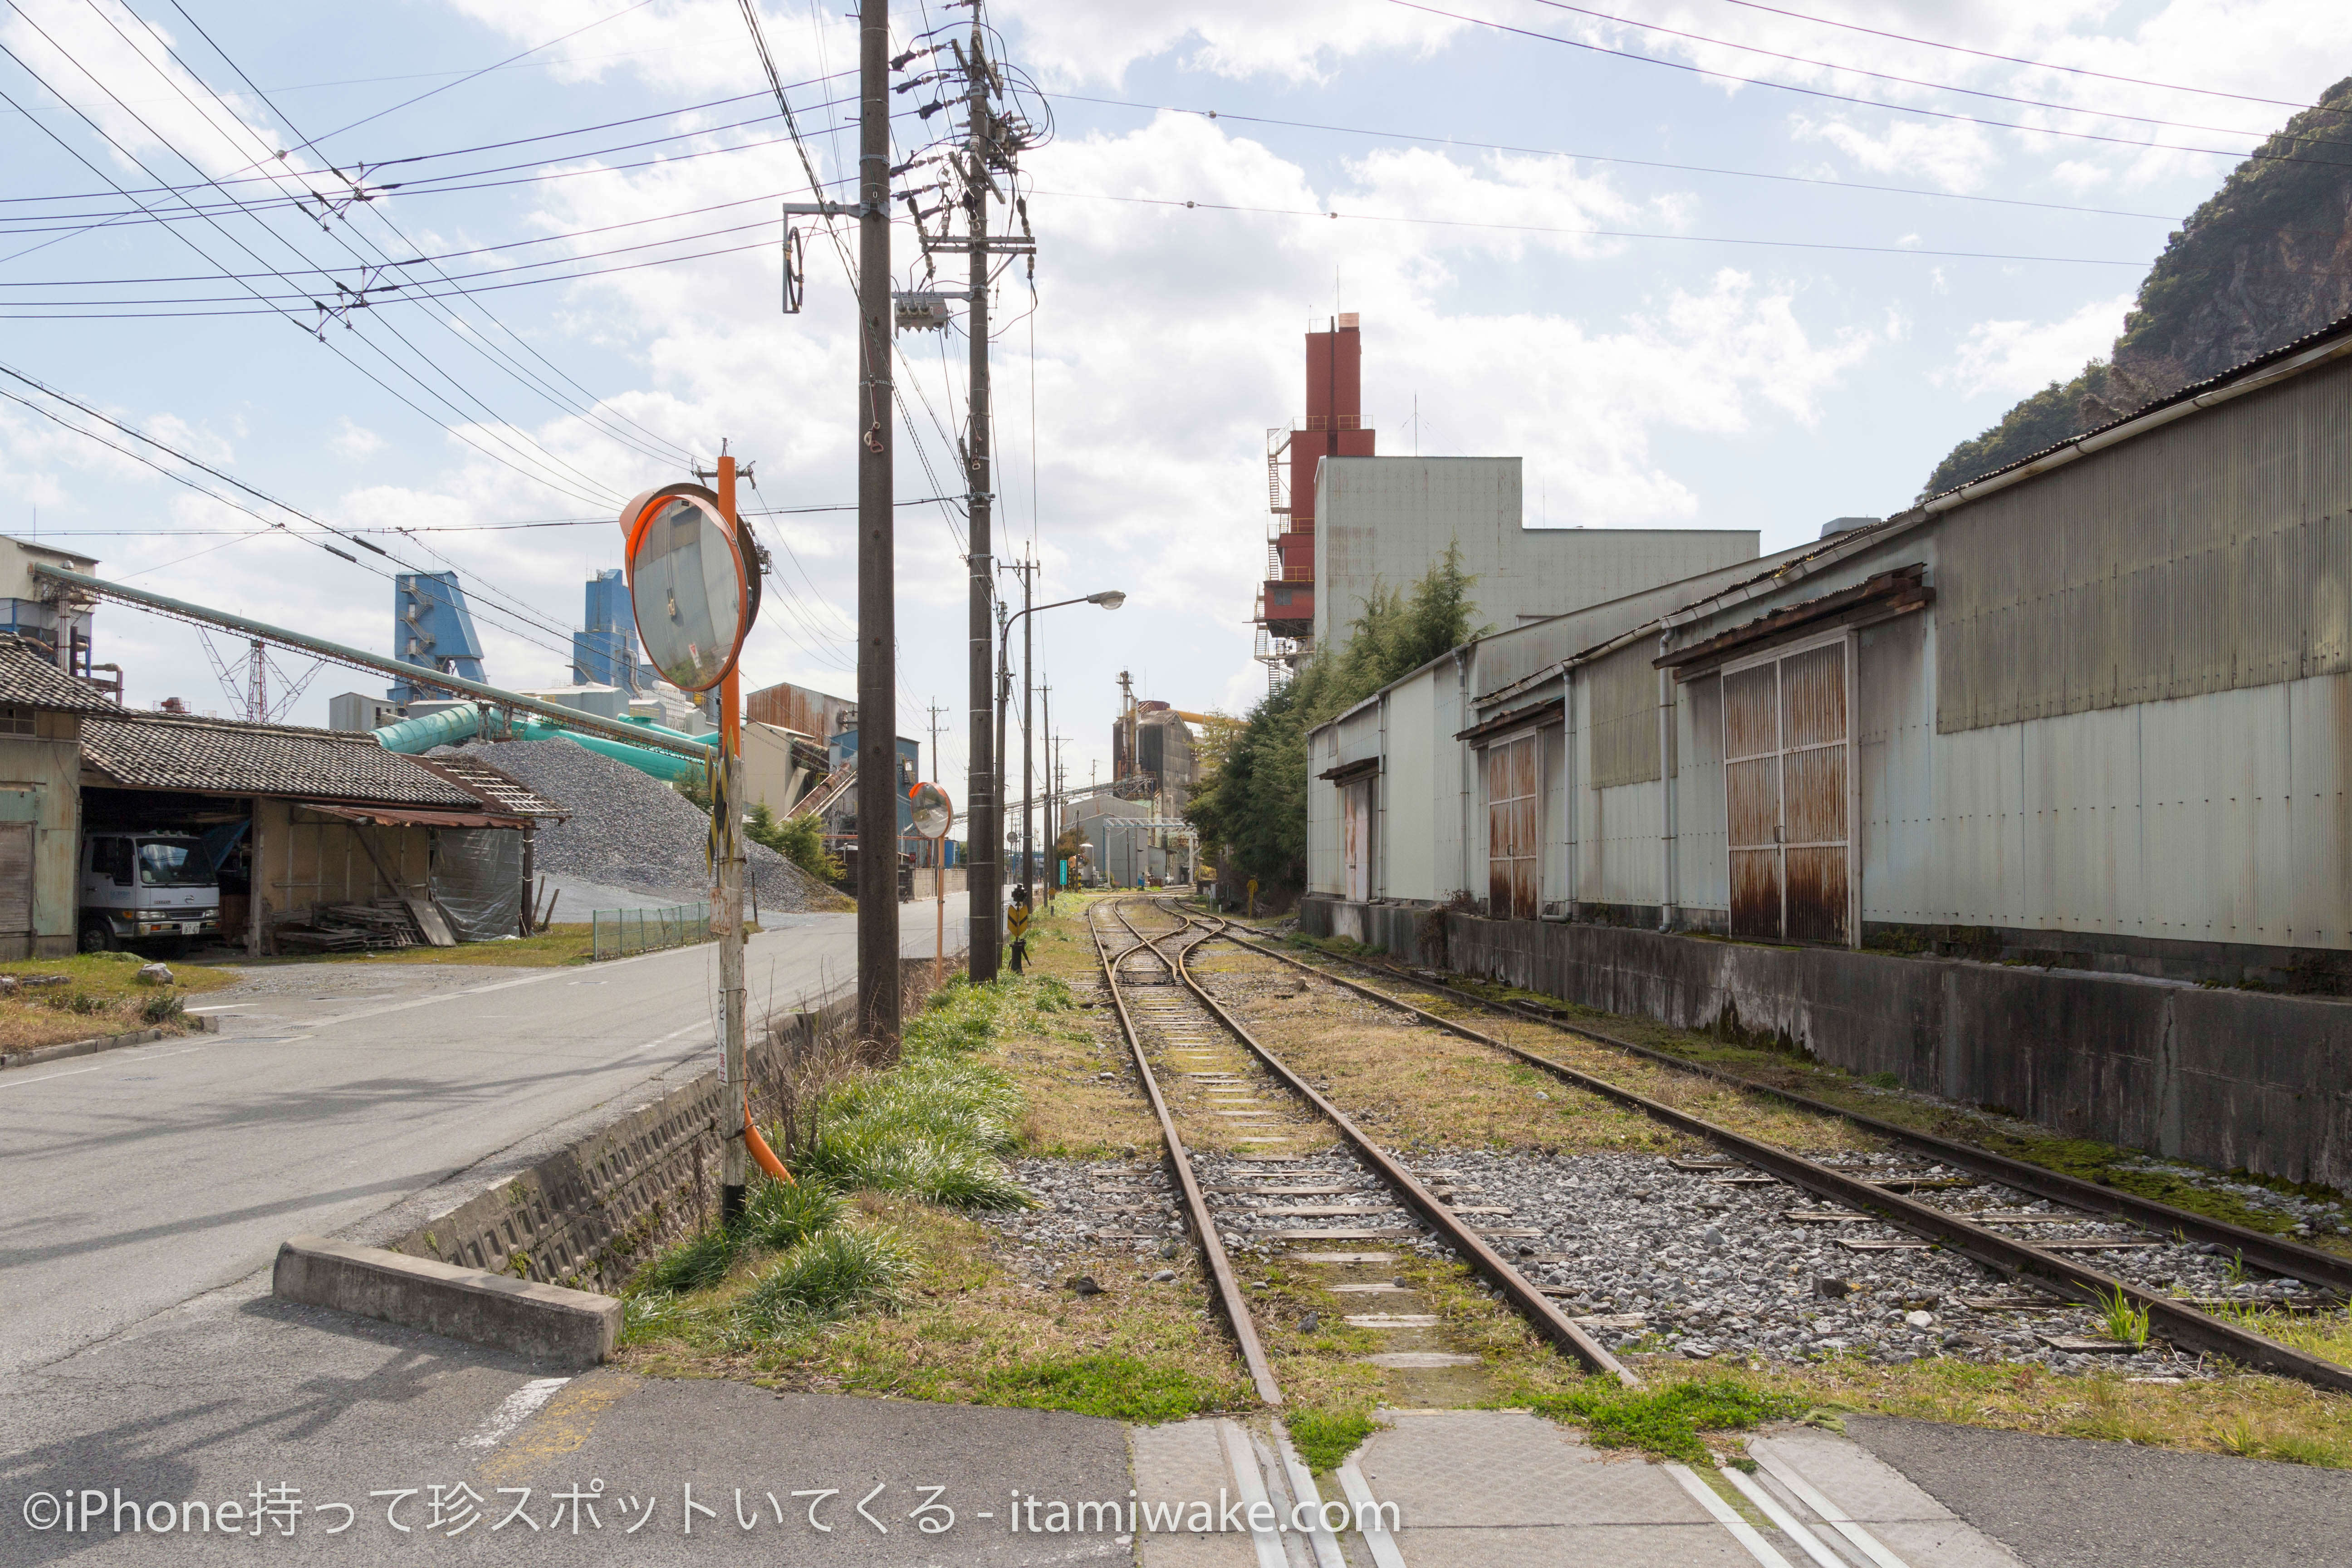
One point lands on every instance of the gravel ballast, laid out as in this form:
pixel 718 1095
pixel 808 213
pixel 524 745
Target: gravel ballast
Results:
pixel 629 829
pixel 1670 1260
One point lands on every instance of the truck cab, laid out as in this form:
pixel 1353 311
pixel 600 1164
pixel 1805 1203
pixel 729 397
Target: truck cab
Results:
pixel 142 887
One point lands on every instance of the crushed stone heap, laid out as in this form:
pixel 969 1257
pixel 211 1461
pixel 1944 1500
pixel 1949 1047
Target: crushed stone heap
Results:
pixel 630 829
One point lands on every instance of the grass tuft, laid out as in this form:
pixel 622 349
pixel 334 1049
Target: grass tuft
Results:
pixel 1667 1421
pixel 779 1215
pixel 1119 1388
pixel 1325 1438
pixel 2122 1320
pixel 831 1275
pixel 697 1263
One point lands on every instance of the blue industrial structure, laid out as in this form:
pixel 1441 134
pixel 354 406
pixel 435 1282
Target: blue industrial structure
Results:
pixel 841 750
pixel 432 629
pixel 606 652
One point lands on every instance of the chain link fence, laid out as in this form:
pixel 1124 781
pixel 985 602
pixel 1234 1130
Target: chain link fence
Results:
pixel 617 933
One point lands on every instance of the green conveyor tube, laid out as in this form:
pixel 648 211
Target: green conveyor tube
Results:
pixel 446 728
pixel 664 765
pixel 417 736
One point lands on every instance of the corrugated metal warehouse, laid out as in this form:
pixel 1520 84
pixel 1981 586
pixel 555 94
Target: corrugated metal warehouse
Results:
pixel 2093 713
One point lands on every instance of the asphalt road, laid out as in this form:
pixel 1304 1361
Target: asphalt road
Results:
pixel 335 1093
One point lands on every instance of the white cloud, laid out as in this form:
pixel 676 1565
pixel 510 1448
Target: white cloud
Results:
pixel 1958 158
pixel 2013 358
pixel 355 441
pixel 1070 41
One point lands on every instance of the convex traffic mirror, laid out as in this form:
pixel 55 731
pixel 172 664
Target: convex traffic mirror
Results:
pixel 692 582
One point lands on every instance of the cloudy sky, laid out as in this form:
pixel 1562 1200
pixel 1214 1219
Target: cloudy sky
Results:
pixel 1701 263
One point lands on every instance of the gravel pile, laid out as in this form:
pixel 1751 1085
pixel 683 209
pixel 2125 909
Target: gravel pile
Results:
pixel 1663 1258
pixel 630 829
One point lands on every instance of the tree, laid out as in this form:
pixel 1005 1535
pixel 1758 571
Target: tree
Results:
pixel 799 840
pixel 1254 803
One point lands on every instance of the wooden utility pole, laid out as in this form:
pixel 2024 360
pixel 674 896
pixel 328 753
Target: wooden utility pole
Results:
pixel 1052 850
pixel 985 868
pixel 727 901
pixel 878 674
pixel 1028 570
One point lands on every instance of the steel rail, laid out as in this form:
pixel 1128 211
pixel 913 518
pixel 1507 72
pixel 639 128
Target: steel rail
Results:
pixel 1196 1206
pixel 2184 1326
pixel 1532 1303
pixel 2273 1254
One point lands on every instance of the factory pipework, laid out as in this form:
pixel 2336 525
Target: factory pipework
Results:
pixel 452 725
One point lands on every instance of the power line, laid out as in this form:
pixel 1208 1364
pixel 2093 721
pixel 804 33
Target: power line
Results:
pixel 442 255
pixel 344 300
pixel 374 164
pixel 1611 158
pixel 1689 68
pixel 594 415
pixel 74 224
pixel 2018 60
pixel 184 239
pixel 349 531
pixel 380 114
pixel 1594 233
pixel 1912 81
pixel 269 525
pixel 393 292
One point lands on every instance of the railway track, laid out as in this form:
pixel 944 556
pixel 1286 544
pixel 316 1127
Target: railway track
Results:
pixel 1164 1011
pixel 1982 1237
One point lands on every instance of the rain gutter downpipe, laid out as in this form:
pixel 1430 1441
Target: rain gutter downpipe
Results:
pixel 1667 888
pixel 647 736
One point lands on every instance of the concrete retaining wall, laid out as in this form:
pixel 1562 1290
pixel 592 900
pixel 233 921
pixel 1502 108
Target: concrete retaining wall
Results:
pixel 2228 1078
pixel 588 1216
pixel 546 1324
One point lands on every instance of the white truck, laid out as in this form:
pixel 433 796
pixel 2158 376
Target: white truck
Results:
pixel 142 887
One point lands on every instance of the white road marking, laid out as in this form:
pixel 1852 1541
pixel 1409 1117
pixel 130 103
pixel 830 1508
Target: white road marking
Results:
pixel 226 1007
pixel 1360 1498
pixel 1724 1514
pixel 513 1411
pixel 1302 1485
pixel 1836 1517
pixel 13 1081
pixel 649 1044
pixel 1251 1487
pixel 1785 1522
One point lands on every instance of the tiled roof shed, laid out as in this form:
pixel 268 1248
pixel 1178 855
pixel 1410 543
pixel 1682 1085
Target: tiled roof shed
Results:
pixel 214 756
pixel 29 677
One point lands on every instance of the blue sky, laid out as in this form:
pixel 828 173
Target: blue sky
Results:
pixel 1701 377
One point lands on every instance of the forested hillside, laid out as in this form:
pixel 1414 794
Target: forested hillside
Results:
pixel 2267 259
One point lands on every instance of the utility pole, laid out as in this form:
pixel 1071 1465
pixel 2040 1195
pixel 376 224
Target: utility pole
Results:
pixel 1046 697
pixel 727 911
pixel 1028 570
pixel 877 675
pixel 984 875
pixel 939 845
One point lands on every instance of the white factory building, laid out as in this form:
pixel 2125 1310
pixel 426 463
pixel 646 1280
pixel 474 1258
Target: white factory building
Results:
pixel 1381 522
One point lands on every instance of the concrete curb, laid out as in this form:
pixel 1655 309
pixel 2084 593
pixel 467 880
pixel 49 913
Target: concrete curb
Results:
pixel 36 1054
pixel 544 1322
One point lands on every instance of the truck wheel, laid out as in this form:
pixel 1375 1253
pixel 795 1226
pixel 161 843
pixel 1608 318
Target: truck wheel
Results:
pixel 98 936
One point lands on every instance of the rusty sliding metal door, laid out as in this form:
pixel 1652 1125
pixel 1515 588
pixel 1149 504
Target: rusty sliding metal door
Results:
pixel 1787 796
pixel 1356 839
pixel 1513 828
pixel 1751 790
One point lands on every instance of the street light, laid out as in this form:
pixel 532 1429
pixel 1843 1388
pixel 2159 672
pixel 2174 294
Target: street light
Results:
pixel 986 899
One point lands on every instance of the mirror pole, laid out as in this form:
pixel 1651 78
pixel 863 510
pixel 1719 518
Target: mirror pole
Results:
pixel 727 900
